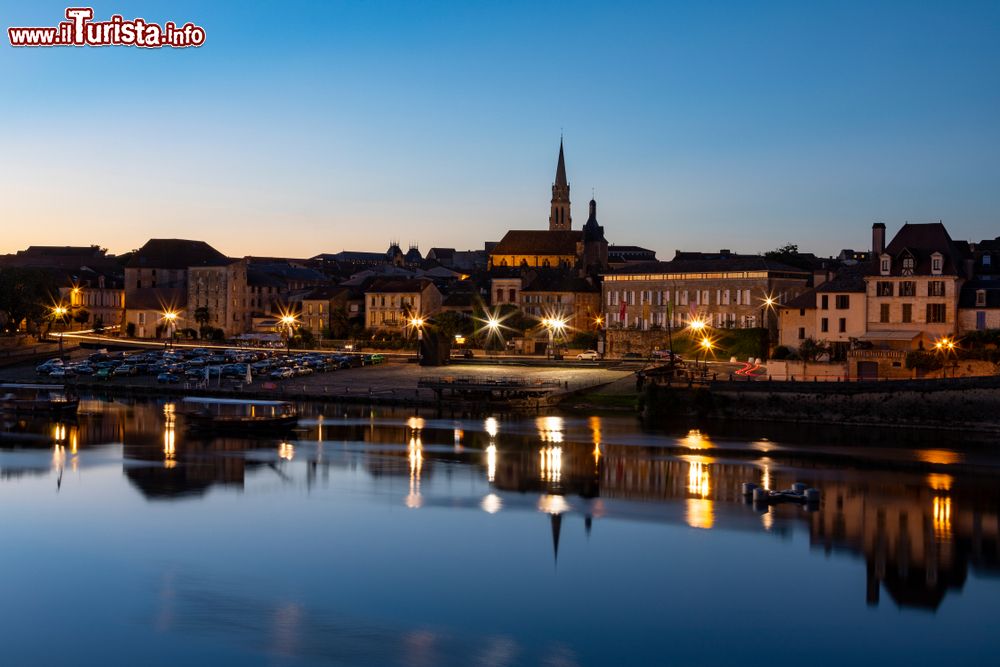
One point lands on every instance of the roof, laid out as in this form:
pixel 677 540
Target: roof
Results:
pixel 328 293
pixel 62 251
pixel 630 249
pixel 395 286
pixel 848 279
pixel 722 264
pixel 806 300
pixel 558 281
pixel 538 242
pixel 176 254
pixel 921 241
pixel 889 335
pixel 967 297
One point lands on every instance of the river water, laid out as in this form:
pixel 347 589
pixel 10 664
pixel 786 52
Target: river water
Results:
pixel 388 537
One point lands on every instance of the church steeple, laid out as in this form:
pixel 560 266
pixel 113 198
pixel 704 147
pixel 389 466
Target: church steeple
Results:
pixel 559 218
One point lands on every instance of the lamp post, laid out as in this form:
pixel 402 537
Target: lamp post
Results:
pixel 288 326
pixel 418 324
pixel 706 345
pixel 170 317
pixel 59 314
pixel 601 343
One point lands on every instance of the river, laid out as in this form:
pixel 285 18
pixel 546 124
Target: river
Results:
pixel 373 536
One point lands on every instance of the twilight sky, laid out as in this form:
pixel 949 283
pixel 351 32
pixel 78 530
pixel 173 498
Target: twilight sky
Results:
pixel 307 127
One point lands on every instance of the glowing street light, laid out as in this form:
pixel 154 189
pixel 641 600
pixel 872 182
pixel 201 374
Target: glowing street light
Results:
pixel 706 345
pixel 696 325
pixel 288 322
pixel 170 317
pixel 555 327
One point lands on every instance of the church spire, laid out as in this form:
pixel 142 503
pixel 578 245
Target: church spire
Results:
pixel 559 218
pixel 561 167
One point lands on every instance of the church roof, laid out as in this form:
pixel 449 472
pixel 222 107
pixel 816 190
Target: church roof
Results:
pixel 177 254
pixel 538 242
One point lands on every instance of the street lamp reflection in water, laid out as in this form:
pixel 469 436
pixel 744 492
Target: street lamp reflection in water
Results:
pixel 416 457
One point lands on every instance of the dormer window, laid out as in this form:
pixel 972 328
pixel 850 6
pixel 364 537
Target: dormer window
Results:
pixel 937 261
pixel 980 297
pixel 885 265
pixel 986 260
pixel 907 266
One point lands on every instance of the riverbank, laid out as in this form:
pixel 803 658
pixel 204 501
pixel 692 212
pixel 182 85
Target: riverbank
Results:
pixel 968 404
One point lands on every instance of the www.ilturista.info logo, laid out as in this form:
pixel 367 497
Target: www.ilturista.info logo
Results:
pixel 81 30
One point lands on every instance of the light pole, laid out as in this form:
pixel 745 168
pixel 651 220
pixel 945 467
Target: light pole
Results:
pixel 288 326
pixel 59 314
pixel 418 324
pixel 170 317
pixel 706 345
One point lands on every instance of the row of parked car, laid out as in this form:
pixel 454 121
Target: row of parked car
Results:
pixel 197 364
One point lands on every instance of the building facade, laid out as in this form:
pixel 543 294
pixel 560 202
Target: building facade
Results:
pixel 391 304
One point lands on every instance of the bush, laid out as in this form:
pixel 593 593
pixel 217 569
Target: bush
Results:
pixel 783 352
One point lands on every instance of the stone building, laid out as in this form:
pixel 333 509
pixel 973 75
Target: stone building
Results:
pixel 575 301
pixel 835 312
pixel 157 282
pixel 391 303
pixel 218 297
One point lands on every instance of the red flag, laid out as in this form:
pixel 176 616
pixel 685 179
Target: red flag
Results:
pixel 621 312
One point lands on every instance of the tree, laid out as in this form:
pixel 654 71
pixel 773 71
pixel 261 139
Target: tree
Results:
pixel 783 251
pixel 82 316
pixel 26 295
pixel 98 324
pixel 810 350
pixel 340 323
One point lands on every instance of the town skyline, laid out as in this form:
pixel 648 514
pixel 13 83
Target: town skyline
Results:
pixel 761 126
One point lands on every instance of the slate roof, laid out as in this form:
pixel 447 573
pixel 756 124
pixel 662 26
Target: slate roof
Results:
pixel 805 300
pixel 848 279
pixel 559 282
pixel 967 297
pixel 538 242
pixel 922 240
pixel 387 286
pixel 724 264
pixel 176 254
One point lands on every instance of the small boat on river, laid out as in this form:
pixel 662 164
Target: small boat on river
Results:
pixel 42 398
pixel 237 414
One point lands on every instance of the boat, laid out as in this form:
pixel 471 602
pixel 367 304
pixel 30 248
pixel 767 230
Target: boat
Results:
pixel 51 398
pixel 237 414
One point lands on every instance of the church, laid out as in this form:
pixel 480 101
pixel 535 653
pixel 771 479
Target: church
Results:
pixel 560 246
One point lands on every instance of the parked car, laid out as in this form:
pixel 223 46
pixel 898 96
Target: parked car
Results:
pixel 168 378
pixel 125 369
pixel 589 355
pixel 631 355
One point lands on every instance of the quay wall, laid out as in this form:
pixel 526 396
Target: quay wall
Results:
pixel 960 403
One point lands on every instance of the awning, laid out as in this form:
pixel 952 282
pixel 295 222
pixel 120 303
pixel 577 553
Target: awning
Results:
pixel 890 335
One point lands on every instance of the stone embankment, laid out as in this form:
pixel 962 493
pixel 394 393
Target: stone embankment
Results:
pixel 963 403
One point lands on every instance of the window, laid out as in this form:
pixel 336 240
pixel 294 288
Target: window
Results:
pixel 885 267
pixel 824 325
pixel 802 312
pixel 936 263
pixel 935 313
pixel 802 333
pixel 843 301
pixel 935 288
pixel 907 288
pixel 907 266
pixel 980 297
pixel 883 288
pixel 986 260
pixel 512 293
pixel 825 302
pixel 907 312
pixel 883 313
pixel 842 325
pixel 746 300
pixel 704 297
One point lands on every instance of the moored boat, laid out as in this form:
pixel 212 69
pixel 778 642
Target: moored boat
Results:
pixel 54 398
pixel 237 414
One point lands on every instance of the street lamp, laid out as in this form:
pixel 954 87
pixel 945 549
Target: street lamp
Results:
pixel 288 326
pixel 555 326
pixel 170 317
pixel 59 314
pixel 417 323
pixel 706 345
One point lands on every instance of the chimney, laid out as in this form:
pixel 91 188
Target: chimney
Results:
pixel 878 239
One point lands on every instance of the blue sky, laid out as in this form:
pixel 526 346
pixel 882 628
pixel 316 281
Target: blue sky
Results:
pixel 306 127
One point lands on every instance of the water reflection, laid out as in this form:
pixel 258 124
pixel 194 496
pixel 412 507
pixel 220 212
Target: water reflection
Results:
pixel 919 529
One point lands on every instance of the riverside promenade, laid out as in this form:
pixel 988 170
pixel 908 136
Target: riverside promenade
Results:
pixel 393 382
